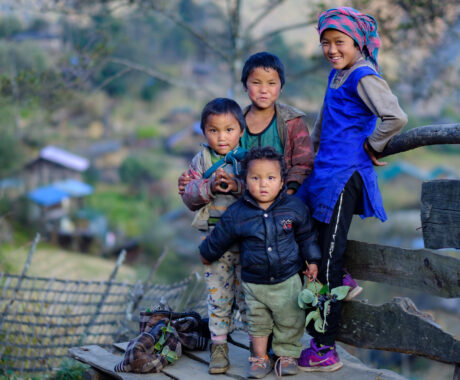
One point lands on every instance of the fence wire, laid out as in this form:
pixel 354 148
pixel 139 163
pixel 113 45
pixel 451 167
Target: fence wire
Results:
pixel 42 317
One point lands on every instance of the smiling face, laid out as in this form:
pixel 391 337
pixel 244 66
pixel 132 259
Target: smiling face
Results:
pixel 264 181
pixel 339 49
pixel 263 87
pixel 223 132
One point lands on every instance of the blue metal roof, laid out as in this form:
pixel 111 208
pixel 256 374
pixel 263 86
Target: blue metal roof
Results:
pixel 74 188
pixel 56 192
pixel 47 195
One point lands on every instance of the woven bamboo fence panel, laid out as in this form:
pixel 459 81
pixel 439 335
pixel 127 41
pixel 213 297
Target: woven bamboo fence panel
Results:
pixel 41 318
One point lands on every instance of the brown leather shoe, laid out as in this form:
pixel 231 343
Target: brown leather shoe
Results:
pixel 219 362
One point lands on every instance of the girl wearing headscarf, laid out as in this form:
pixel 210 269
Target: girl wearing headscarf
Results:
pixel 347 143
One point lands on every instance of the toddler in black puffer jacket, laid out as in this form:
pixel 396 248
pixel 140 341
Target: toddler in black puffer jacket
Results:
pixel 276 235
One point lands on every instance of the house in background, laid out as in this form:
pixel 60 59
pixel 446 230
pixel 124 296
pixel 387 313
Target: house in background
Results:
pixel 106 157
pixel 58 212
pixel 53 164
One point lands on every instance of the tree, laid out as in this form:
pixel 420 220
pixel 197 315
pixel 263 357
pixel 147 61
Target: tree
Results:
pixel 10 151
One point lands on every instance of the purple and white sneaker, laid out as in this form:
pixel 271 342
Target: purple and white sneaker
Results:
pixel 355 289
pixel 311 360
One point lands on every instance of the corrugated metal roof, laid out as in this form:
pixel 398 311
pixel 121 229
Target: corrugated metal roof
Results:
pixel 64 158
pixel 47 195
pixel 73 187
pixel 56 192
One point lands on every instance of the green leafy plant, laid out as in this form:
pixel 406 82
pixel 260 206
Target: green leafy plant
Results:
pixel 70 370
pixel 318 297
pixel 171 356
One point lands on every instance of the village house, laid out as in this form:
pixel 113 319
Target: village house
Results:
pixel 54 164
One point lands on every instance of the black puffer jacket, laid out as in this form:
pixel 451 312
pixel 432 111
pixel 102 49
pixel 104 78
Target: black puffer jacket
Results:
pixel 274 243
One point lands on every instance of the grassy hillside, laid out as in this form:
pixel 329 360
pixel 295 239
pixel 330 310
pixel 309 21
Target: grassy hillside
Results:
pixel 49 261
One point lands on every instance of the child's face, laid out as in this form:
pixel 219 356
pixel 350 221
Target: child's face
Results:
pixel 263 87
pixel 264 181
pixel 339 49
pixel 223 132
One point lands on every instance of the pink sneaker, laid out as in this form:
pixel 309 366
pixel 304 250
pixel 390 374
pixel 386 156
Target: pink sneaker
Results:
pixel 355 288
pixel 312 361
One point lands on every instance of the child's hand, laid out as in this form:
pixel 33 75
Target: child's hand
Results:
pixel 311 272
pixel 183 181
pixel 372 156
pixel 290 191
pixel 223 182
pixel 204 261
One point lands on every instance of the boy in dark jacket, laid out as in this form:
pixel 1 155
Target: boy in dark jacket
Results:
pixel 276 236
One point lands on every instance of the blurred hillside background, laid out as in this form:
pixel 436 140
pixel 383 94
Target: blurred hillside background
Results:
pixel 100 103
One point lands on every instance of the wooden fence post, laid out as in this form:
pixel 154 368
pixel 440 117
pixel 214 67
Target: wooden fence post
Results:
pixel 440 213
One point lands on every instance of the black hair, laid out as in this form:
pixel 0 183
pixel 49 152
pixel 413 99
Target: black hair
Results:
pixel 221 106
pixel 266 153
pixel 265 60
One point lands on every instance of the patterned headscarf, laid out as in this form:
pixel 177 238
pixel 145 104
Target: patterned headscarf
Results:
pixel 359 26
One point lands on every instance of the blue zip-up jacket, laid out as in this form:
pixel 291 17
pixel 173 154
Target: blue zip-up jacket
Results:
pixel 274 243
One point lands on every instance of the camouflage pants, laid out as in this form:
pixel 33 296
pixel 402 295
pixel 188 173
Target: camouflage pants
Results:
pixel 223 278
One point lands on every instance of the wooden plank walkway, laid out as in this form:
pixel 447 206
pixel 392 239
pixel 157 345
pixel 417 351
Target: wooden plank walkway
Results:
pixel 194 365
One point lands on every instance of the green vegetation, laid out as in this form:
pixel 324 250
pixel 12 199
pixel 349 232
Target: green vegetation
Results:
pixel 147 132
pixel 129 213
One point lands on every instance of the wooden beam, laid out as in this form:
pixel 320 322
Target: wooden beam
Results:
pixel 424 270
pixel 397 326
pixel 440 213
pixel 422 136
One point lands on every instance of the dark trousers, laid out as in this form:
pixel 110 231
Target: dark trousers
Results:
pixel 332 238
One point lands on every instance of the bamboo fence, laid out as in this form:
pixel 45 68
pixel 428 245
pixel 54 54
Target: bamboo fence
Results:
pixel 41 318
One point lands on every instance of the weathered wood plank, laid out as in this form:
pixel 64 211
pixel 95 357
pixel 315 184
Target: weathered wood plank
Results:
pixel 353 368
pixel 105 361
pixel 424 270
pixel 422 136
pixel 188 368
pixel 440 213
pixel 397 326
pixel 240 338
pixel 238 360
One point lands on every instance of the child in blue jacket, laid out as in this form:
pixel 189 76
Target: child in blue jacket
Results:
pixel 347 141
pixel 276 236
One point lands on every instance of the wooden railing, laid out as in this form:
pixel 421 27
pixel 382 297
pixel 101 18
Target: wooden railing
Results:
pixel 398 325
